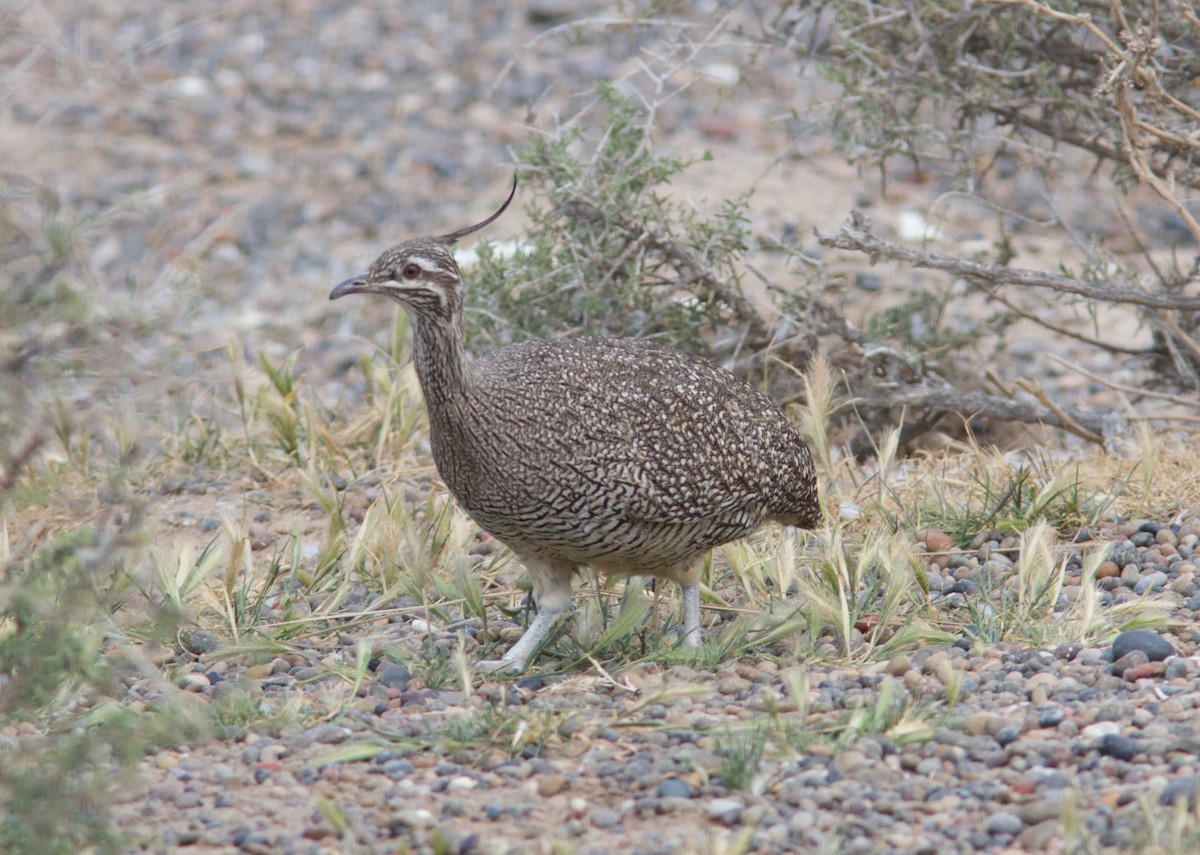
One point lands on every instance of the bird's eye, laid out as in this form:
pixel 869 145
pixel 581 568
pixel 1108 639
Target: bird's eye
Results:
pixel 411 271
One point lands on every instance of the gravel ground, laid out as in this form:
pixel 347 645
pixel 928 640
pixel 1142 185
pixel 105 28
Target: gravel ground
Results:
pixel 225 167
pixel 1095 740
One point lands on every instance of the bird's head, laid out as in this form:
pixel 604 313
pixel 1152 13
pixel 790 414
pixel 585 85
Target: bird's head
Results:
pixel 420 274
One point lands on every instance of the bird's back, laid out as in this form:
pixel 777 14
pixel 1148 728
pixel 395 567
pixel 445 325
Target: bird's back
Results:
pixel 618 451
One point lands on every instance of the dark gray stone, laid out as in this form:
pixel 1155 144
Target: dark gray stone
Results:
pixel 1051 717
pixel 1007 734
pixel 1152 644
pixel 1119 747
pixel 1182 788
pixel 1003 822
pixel 1124 553
pixel 674 788
pixel 199 642
pixel 393 675
pixel 1150 582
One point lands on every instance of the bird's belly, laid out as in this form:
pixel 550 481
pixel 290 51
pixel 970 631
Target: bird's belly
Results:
pixel 613 543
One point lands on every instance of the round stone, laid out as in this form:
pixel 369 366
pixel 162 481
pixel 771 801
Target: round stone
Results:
pixel 1007 734
pixel 1051 717
pixel 1150 582
pixel 674 788
pixel 604 817
pixel 393 675
pixel 1152 644
pixel 725 811
pixel 1180 789
pixel 1003 822
pixel 1118 747
pixel 1124 553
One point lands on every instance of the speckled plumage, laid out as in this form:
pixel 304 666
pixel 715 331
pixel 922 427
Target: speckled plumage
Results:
pixel 618 454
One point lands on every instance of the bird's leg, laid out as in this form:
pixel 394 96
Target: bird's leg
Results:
pixel 552 591
pixel 691 615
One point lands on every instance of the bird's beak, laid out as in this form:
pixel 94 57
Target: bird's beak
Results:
pixel 357 285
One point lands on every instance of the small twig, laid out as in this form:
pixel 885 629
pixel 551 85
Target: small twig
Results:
pixel 612 681
pixel 856 236
pixel 1068 423
pixel 950 400
pixel 1136 156
pixel 1182 337
pixel 999 384
pixel 1122 387
pixel 1053 327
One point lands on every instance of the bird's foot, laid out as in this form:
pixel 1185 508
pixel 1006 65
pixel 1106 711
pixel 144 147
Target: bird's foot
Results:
pixel 520 654
pixel 499 666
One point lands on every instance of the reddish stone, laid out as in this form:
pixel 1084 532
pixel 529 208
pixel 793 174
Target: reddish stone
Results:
pixel 1149 670
pixel 934 540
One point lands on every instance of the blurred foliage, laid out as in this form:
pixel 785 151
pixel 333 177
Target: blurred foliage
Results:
pixel 57 757
pixel 954 80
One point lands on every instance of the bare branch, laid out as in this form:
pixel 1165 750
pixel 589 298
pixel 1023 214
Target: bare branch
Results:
pixel 1092 426
pixel 1058 328
pixel 856 236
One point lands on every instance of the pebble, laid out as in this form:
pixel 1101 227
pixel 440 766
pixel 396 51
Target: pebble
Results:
pixel 674 788
pixel 1118 746
pixel 1008 734
pixel 1179 790
pixel 1100 729
pixel 551 784
pixel 1003 822
pixel 1150 582
pixel 394 675
pixel 725 811
pixel 1051 717
pixel 604 818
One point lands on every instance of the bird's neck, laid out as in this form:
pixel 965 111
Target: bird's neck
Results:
pixel 440 358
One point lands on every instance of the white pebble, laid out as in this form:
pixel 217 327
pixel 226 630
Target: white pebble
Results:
pixel 191 86
pixel 1100 729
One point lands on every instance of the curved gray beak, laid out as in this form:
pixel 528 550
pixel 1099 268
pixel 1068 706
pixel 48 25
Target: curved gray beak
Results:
pixel 356 285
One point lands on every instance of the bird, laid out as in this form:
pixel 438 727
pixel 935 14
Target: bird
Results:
pixel 618 454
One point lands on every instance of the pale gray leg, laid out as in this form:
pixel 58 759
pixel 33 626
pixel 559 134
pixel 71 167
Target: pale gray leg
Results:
pixel 691 615
pixel 552 592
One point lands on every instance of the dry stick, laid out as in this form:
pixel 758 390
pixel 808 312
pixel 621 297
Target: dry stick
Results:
pixel 856 236
pixel 1123 387
pixel 1089 425
pixel 1177 331
pixel 1136 155
pixel 1086 339
pixel 1189 15
pixel 1070 423
pixel 1137 160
